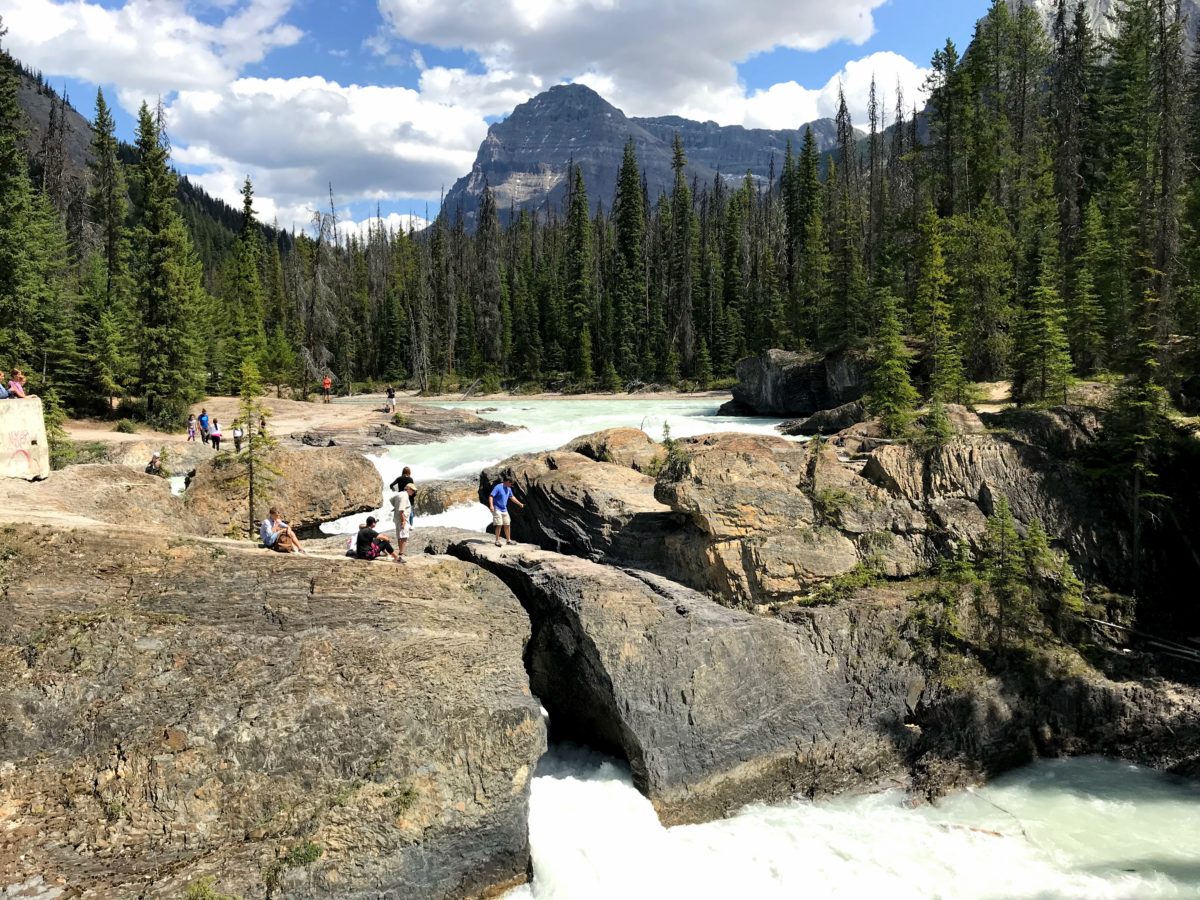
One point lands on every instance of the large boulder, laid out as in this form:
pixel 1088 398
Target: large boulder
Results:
pixel 177 710
pixel 827 421
pixel 433 497
pixel 630 447
pixel 309 487
pixel 794 385
pixel 178 457
pixel 576 505
pixel 712 707
pixel 98 492
pixel 768 520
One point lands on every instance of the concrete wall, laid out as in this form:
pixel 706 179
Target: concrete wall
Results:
pixel 24 450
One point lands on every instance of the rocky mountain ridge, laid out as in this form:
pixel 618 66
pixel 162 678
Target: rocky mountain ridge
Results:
pixel 524 159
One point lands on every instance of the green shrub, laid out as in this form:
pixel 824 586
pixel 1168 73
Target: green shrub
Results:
pixel 828 504
pixel 125 426
pixel 844 586
pixel 304 854
pixel 400 420
pixel 205 889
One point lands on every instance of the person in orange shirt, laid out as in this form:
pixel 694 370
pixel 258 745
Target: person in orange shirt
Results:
pixel 326 384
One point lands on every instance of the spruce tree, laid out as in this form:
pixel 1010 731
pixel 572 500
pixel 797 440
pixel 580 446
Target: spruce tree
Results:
pixel 892 396
pixel 1085 325
pixel 1042 363
pixel 580 296
pixel 167 287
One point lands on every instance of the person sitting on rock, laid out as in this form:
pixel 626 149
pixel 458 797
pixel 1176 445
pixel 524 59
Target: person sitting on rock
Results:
pixel 498 502
pixel 370 544
pixel 277 534
pixel 154 467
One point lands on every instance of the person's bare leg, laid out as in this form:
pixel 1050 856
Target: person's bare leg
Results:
pixel 401 546
pixel 295 540
pixel 508 531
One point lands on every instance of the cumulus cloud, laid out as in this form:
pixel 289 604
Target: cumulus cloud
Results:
pixel 149 48
pixel 786 104
pixel 298 135
pixel 294 136
pixel 658 57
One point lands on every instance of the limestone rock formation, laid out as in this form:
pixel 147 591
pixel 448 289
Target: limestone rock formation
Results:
pixel 311 487
pixel 524 158
pixel 630 447
pixel 175 710
pixel 98 492
pixel 575 505
pixel 827 421
pixel 433 497
pixel 713 707
pixel 178 457
pixel 782 383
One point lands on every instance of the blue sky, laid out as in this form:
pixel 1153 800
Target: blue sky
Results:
pixel 389 99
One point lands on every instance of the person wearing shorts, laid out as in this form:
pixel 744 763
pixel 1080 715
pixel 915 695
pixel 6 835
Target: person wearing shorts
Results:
pixel 498 500
pixel 402 519
pixel 326 387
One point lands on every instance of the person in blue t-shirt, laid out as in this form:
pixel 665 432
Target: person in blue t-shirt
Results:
pixel 498 502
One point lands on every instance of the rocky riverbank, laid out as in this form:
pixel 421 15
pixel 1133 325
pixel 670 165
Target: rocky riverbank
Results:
pixel 180 709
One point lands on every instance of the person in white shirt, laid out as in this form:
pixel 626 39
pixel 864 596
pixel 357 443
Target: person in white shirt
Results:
pixel 277 534
pixel 402 519
pixel 237 437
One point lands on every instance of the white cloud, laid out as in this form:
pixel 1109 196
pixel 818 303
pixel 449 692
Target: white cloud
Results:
pixel 657 57
pixel 787 104
pixel 149 48
pixel 294 136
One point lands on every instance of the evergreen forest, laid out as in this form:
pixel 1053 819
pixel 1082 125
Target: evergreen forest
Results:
pixel 1035 219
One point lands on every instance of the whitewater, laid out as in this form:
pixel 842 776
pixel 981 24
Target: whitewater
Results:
pixel 1081 829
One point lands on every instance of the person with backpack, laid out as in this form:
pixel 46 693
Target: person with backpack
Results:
pixel 214 434
pixel 203 420
pixel 370 544
pixel 391 398
pixel 237 437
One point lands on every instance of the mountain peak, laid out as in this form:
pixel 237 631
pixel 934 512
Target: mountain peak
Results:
pixel 525 157
pixel 565 102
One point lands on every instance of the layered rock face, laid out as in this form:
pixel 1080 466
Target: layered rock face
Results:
pixel 630 447
pixel 309 487
pixel 597 510
pixel 756 519
pixel 782 383
pixel 524 159
pixel 301 727
pixel 713 707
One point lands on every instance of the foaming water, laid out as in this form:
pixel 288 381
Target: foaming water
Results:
pixel 1092 829
pixel 544 425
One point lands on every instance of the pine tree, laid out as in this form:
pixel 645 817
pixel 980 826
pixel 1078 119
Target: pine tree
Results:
pixel 1004 565
pixel 892 397
pixel 1042 365
pixel 243 288
pixel 1085 318
pixel 166 286
pixel 580 295
pixel 629 290
pixel 257 471
pixel 947 380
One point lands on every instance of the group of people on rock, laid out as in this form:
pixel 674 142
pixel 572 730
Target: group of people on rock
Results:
pixel 13 386
pixel 209 430
pixel 370 544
